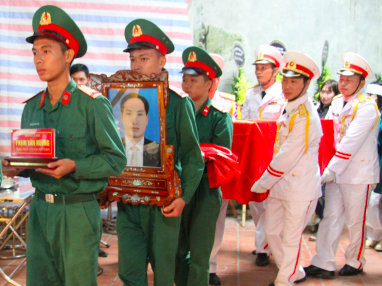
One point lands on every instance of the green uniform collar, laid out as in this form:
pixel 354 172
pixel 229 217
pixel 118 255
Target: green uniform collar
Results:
pixel 64 99
pixel 205 108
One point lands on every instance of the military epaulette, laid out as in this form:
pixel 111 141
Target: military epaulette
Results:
pixel 302 110
pixel 217 107
pixel 228 96
pixel 88 91
pixel 178 91
pixel 361 97
pixel 337 96
pixel 252 86
pixel 34 96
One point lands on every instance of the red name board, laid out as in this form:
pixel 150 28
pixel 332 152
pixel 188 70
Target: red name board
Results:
pixel 33 143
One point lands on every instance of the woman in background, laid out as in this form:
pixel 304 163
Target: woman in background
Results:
pixel 329 89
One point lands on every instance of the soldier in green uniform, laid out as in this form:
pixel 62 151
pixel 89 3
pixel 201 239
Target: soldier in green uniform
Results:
pixel 143 230
pixel 197 231
pixel 64 226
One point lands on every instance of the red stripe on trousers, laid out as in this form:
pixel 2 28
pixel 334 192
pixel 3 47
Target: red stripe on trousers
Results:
pixel 363 227
pixel 299 246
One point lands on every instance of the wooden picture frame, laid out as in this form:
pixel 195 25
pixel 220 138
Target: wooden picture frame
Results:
pixel 139 107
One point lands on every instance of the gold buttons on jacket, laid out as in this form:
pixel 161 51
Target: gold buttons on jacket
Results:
pixel 294 175
pixel 362 160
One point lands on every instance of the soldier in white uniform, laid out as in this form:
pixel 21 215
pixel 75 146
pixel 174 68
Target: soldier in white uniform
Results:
pixel 350 173
pixel 263 101
pixel 293 176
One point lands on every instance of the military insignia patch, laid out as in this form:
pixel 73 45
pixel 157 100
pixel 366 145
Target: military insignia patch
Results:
pixel 347 65
pixel 291 64
pixel 205 110
pixel 192 57
pixel 137 31
pixel 45 19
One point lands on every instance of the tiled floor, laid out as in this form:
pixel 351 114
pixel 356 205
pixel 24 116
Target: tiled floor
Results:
pixel 236 263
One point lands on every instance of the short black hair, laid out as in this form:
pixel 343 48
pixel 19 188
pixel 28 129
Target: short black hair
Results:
pixel 79 67
pixel 134 95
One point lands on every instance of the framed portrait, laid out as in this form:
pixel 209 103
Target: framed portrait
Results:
pixel 139 109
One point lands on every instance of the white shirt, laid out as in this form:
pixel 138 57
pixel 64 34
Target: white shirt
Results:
pixel 129 152
pixel 270 106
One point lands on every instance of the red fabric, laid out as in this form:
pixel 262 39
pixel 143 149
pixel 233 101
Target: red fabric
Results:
pixel 73 44
pixel 210 72
pixel 253 142
pixel 223 165
pixel 147 38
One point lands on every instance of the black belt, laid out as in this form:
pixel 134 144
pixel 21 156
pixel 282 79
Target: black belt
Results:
pixel 69 199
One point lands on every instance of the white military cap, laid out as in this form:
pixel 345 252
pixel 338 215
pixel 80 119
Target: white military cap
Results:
pixel 355 64
pixel 298 64
pixel 266 54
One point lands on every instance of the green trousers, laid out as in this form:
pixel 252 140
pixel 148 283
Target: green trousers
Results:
pixel 146 235
pixel 63 243
pixel 197 235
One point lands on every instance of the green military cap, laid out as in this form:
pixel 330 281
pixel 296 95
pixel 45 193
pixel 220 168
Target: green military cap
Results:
pixel 198 61
pixel 141 34
pixel 54 22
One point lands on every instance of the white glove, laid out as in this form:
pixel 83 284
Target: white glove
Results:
pixel 327 176
pixel 257 188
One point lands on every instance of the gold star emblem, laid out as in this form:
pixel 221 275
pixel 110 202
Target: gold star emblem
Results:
pixel 45 19
pixel 292 64
pixel 137 31
pixel 347 64
pixel 192 57
pixel 261 56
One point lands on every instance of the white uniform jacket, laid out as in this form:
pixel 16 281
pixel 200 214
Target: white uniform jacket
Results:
pixel 225 102
pixel 294 173
pixel 356 127
pixel 268 107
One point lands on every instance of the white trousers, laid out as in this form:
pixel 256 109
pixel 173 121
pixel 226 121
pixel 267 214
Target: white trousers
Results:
pixel 343 202
pixel 285 222
pixel 258 216
pixel 374 217
pixel 219 232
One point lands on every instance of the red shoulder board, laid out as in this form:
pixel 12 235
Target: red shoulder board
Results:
pixel 33 96
pixel 228 96
pixel 178 91
pixel 217 107
pixel 91 92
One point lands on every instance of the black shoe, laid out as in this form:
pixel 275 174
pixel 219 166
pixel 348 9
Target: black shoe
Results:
pixel 272 284
pixel 214 279
pixel 254 252
pixel 348 270
pixel 315 271
pixel 99 271
pixel 102 253
pixel 262 259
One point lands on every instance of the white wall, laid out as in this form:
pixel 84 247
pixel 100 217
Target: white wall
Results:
pixel 303 25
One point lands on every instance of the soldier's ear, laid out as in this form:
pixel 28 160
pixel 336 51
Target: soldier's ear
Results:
pixel 162 61
pixel 69 56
